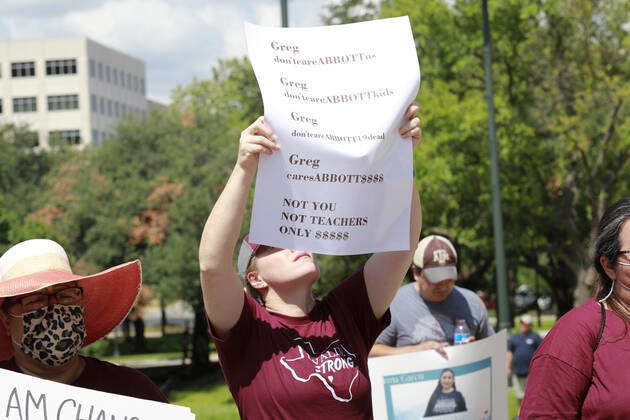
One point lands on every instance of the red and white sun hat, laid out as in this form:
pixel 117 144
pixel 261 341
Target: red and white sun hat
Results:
pixel 36 264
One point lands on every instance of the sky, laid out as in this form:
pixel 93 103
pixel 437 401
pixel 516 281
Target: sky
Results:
pixel 178 40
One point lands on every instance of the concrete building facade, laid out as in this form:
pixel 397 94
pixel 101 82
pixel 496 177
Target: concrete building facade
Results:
pixel 72 90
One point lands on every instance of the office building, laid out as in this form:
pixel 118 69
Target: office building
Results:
pixel 73 90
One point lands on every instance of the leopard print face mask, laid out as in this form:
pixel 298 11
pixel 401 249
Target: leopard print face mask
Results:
pixel 54 334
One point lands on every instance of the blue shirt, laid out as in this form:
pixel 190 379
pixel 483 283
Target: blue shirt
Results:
pixel 523 348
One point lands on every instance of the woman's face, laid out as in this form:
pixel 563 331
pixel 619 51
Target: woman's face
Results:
pixel 447 380
pixel 280 267
pixel 621 273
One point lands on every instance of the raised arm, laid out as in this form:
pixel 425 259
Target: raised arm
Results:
pixel 222 291
pixel 384 271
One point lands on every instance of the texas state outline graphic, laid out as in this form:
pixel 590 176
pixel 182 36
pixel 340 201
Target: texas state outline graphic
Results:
pixel 315 361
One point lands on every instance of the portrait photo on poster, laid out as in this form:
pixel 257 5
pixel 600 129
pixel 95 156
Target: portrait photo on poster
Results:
pixel 460 392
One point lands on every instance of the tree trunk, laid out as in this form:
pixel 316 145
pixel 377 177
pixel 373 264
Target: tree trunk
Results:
pixel 585 283
pixel 200 339
pixel 139 340
pixel 164 320
pixel 126 330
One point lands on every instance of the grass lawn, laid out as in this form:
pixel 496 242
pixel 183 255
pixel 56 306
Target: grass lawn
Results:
pixel 161 356
pixel 214 402
pixel 512 404
pixel 208 398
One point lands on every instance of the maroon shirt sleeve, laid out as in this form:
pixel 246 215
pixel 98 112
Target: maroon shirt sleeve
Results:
pixel 350 301
pixel 561 370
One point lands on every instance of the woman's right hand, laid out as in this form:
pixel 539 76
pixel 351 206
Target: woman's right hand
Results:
pixel 256 139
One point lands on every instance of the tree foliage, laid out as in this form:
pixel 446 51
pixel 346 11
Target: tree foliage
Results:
pixel 560 80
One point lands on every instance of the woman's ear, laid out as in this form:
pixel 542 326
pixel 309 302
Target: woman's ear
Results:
pixel 610 271
pixel 255 281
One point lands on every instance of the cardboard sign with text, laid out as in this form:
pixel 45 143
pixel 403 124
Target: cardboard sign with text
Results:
pixel 410 386
pixel 335 96
pixel 26 397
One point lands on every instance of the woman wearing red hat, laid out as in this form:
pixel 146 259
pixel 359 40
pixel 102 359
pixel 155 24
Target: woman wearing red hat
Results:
pixel 284 354
pixel 48 314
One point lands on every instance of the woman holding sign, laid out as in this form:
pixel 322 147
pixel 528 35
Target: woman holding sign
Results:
pixel 284 354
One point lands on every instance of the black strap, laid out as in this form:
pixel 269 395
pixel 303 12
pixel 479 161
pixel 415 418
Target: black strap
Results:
pixel 602 325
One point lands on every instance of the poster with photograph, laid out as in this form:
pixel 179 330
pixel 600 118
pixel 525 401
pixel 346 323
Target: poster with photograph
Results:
pixel 470 384
pixel 335 96
pixel 24 397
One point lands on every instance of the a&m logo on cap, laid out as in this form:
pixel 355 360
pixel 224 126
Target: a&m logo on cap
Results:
pixel 440 256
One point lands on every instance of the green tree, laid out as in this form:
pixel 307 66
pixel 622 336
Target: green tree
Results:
pixel 22 171
pixel 560 72
pixel 146 193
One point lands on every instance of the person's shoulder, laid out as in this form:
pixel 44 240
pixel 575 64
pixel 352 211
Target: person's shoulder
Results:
pixel 572 337
pixel 133 379
pixel 404 294
pixel 129 375
pixel 470 296
pixel 583 316
pixel 467 293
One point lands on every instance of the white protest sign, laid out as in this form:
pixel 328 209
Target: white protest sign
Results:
pixel 25 397
pixel 407 386
pixel 335 96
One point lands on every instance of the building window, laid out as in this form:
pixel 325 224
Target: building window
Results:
pixel 27 104
pixel 94 103
pixel 63 102
pixel 102 101
pixel 108 74
pixel 66 136
pixel 136 85
pixel 95 137
pixel 116 110
pixel 142 86
pixel 55 67
pixel 24 69
pixel 115 77
pixel 100 71
pixel 124 110
pixel 122 78
pixel 129 81
pixel 109 107
pixel 92 68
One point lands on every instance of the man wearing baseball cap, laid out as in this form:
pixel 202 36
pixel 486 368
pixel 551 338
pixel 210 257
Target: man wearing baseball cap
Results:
pixel 521 348
pixel 424 313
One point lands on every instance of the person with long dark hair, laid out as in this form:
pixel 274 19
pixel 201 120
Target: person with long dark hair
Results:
pixel 446 399
pixel 581 368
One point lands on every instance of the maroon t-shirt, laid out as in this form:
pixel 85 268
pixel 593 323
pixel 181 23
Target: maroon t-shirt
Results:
pixel 311 367
pixel 107 377
pixel 567 380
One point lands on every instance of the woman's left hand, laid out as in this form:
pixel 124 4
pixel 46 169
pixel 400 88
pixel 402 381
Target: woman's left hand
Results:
pixel 412 129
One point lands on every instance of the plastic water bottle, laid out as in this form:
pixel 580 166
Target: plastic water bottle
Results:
pixel 462 332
